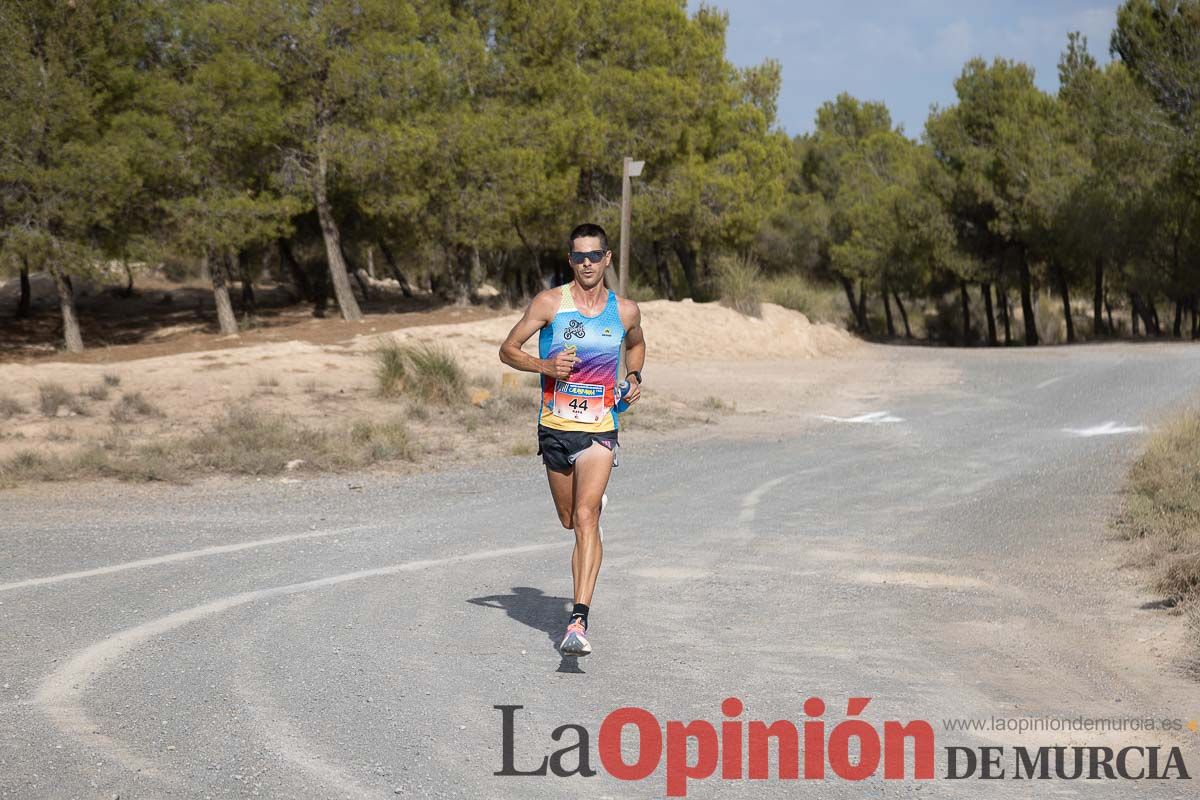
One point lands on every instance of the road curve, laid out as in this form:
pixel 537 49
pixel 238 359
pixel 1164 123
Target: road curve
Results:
pixel 942 552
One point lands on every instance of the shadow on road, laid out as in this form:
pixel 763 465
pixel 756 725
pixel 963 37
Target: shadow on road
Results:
pixel 542 612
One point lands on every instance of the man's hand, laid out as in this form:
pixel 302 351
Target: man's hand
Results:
pixel 635 390
pixel 561 365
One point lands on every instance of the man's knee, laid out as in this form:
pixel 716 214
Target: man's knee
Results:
pixel 587 516
pixel 565 518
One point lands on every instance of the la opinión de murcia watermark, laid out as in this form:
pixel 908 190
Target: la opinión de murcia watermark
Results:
pixel 853 749
pixel 1077 724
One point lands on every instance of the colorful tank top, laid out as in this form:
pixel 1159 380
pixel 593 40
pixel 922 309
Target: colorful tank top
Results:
pixel 587 400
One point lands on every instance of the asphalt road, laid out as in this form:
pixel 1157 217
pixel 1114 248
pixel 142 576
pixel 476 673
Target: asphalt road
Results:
pixel 943 553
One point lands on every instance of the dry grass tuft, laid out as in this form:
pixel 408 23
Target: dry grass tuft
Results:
pixel 740 285
pixel 817 302
pixel 10 407
pixel 244 442
pixel 426 371
pixel 1162 510
pixel 132 406
pixel 54 396
pixel 714 403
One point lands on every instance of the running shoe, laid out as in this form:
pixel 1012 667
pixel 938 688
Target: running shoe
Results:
pixel 575 643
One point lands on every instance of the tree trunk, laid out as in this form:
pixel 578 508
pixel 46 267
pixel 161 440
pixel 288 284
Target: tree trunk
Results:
pixel 1177 328
pixel 687 259
pixel 248 304
pixel 298 275
pixel 665 287
pixel 848 287
pixel 1031 334
pixel 128 290
pixel 264 264
pixel 225 318
pixel 364 287
pixel 1002 297
pixel 227 263
pixel 474 273
pixel 394 268
pixel 333 243
pixel 1064 291
pixel 1134 313
pixel 1098 298
pixel 966 312
pixel 72 337
pixel 1112 330
pixel 887 314
pixel 321 292
pixel 1150 317
pixel 25 303
pixel 531 277
pixel 458 267
pixel 903 315
pixel 986 289
pixel 1195 318
pixel 864 321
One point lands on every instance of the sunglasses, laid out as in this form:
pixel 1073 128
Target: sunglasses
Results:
pixel 594 256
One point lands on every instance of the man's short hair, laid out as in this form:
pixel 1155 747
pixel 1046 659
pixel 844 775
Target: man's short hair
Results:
pixel 588 230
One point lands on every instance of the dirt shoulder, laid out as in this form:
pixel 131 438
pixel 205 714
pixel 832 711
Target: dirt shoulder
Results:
pixel 707 367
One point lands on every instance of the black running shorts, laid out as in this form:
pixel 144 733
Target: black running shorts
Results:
pixel 559 449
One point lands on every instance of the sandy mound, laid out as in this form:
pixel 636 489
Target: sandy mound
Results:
pixel 686 330
pixel 693 349
pixel 675 331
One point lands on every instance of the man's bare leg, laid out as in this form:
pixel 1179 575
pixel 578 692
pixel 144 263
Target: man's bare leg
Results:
pixel 592 470
pixel 562 489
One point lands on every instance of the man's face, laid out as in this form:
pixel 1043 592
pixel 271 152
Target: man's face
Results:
pixel 590 272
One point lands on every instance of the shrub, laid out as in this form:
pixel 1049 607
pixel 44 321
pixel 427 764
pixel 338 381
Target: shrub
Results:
pixel 427 371
pixel 739 284
pixel 55 396
pixel 641 292
pixel 133 405
pixel 1162 509
pixel 10 407
pixel 820 303
pixel 389 369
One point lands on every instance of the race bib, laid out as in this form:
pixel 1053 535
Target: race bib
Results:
pixel 578 402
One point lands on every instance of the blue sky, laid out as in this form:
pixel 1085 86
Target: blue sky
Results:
pixel 906 53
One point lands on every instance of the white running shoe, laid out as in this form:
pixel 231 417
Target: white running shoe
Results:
pixel 575 642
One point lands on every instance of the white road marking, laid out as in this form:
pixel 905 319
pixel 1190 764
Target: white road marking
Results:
pixel 273 724
pixel 171 558
pixel 872 418
pixel 1050 382
pixel 1107 429
pixel 751 500
pixel 61 692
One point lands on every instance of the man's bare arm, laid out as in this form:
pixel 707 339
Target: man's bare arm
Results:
pixel 535 318
pixel 540 312
pixel 635 346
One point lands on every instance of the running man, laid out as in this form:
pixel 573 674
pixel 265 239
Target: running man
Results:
pixel 581 326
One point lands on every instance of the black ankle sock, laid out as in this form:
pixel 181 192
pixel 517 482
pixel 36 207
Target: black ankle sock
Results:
pixel 580 611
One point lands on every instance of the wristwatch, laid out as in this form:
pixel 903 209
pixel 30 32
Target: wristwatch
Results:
pixel 635 373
